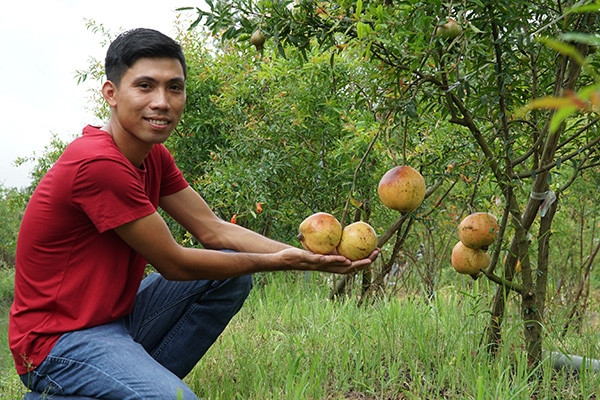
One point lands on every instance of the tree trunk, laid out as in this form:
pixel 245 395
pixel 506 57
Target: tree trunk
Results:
pixel 533 298
pixel 534 334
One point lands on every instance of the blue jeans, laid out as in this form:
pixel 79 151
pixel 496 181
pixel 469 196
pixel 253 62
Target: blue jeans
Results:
pixel 146 354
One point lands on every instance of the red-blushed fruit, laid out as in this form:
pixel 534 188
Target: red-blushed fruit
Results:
pixel 358 241
pixel 478 230
pixel 449 29
pixel 469 261
pixel 320 233
pixel 402 188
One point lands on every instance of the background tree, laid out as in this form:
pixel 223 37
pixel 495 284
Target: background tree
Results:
pixel 447 104
pixel 12 206
pixel 13 201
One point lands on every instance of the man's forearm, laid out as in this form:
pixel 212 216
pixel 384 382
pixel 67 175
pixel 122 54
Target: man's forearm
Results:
pixel 241 239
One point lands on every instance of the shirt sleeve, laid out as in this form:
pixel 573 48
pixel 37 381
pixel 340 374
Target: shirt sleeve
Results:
pixel 110 194
pixel 172 179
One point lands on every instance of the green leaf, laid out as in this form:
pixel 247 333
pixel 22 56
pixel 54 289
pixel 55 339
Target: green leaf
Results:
pixel 359 7
pixel 363 29
pixel 229 33
pixel 587 91
pixel 280 50
pixel 473 28
pixel 592 40
pixel 583 9
pixel 546 103
pixel 563 48
pixel 560 116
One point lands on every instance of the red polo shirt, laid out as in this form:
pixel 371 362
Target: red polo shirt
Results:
pixel 72 270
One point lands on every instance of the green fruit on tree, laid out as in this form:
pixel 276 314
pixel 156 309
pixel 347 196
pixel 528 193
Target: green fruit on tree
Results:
pixel 320 233
pixel 449 29
pixel 402 188
pixel 358 241
pixel 258 39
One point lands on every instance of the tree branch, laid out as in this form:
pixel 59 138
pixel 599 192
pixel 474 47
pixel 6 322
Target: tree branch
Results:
pixel 549 166
pixel 505 283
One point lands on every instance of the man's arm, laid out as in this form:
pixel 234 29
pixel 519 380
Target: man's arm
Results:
pixel 152 239
pixel 190 210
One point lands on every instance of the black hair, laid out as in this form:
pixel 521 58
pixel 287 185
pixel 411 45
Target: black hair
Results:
pixel 138 43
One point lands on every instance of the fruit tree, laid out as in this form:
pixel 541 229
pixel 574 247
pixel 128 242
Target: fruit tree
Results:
pixel 498 96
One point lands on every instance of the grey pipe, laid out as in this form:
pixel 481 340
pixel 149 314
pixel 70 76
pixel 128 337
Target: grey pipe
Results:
pixel 571 361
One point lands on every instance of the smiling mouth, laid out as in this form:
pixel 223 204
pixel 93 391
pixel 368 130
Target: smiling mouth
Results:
pixel 161 122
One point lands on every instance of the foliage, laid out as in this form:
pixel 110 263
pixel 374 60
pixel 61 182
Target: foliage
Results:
pixel 43 162
pixel 587 99
pixel 276 132
pixel 10 385
pixel 12 206
pixel 95 70
pixel 472 85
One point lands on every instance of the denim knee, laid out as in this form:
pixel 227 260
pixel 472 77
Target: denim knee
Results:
pixel 244 284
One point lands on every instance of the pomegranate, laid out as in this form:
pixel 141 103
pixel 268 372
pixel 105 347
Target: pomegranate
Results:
pixel 469 261
pixel 358 241
pixel 402 188
pixel 478 230
pixel 449 29
pixel 320 233
pixel 258 39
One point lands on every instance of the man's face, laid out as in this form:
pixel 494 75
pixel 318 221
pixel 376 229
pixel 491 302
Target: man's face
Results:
pixel 149 101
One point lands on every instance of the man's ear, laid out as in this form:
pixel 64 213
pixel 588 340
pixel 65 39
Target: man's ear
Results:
pixel 109 91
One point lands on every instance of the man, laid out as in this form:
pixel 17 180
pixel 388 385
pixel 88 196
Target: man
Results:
pixel 81 323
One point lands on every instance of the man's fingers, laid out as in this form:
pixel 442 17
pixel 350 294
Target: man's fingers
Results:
pixel 338 264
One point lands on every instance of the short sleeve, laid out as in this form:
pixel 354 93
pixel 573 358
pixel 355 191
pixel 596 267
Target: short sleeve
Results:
pixel 172 179
pixel 110 193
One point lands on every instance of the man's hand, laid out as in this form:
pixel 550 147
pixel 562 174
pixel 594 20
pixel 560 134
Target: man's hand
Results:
pixel 299 259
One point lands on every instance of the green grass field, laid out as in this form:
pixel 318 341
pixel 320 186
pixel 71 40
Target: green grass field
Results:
pixel 290 342
pixel 10 385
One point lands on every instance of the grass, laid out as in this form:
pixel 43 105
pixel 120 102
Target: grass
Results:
pixel 290 342
pixel 10 385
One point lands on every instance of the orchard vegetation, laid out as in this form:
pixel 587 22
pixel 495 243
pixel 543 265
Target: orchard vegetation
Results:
pixel 499 113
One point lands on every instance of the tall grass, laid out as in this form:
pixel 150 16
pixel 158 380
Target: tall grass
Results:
pixel 10 385
pixel 289 342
